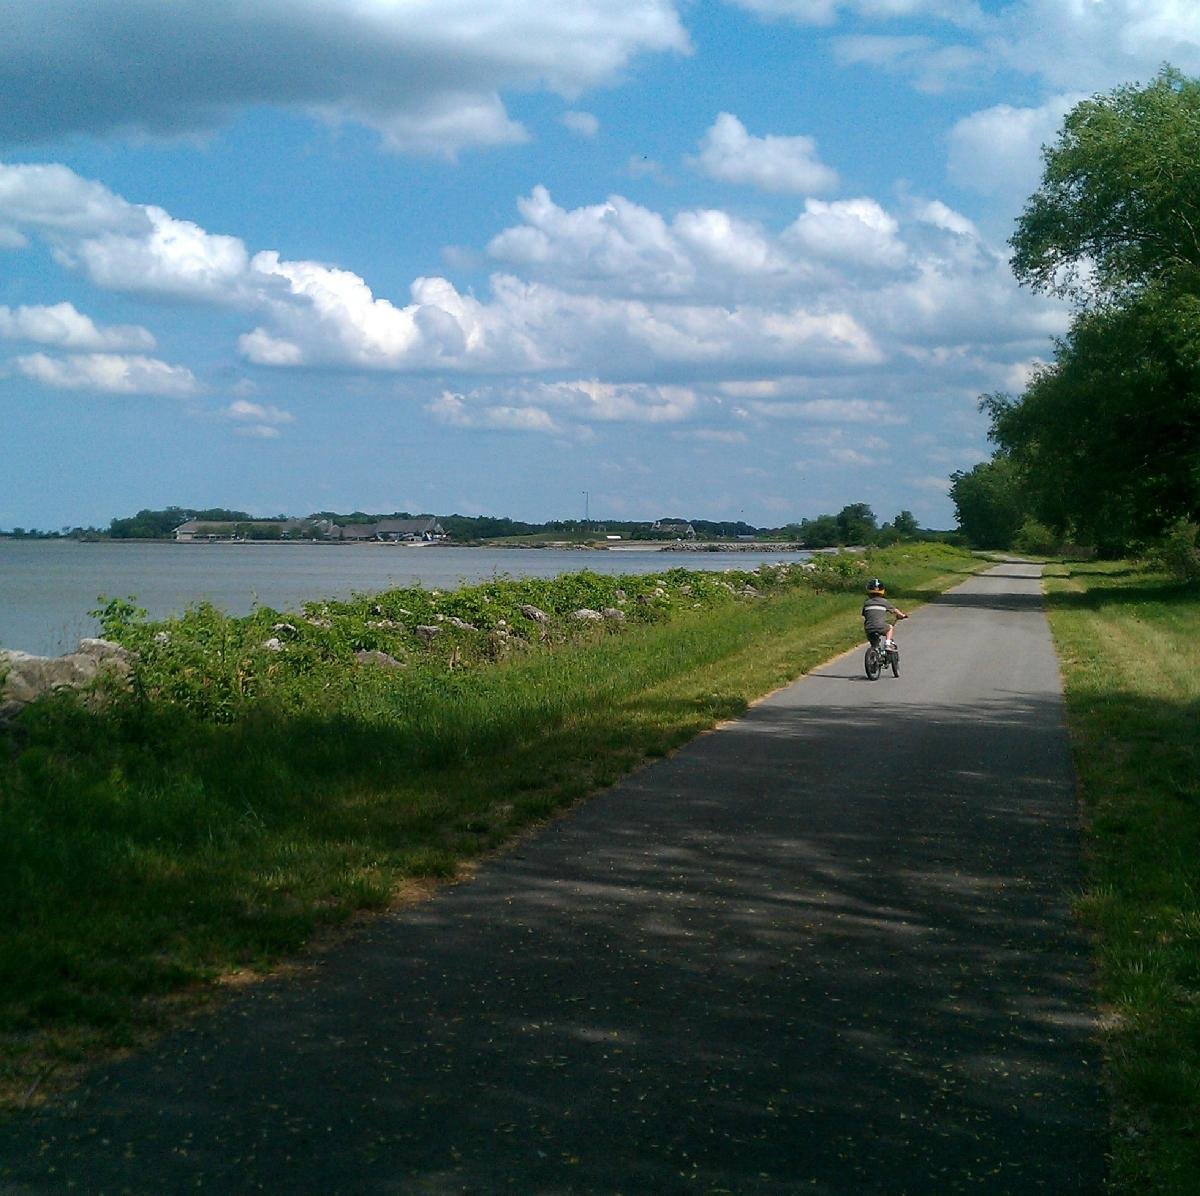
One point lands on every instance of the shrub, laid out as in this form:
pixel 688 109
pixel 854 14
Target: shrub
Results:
pixel 1036 538
pixel 1179 551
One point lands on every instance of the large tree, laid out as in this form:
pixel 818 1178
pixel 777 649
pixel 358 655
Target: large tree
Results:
pixel 1118 209
pixel 1106 439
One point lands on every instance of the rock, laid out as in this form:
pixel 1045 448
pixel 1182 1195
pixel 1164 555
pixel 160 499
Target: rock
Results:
pixel 461 624
pixel 685 589
pixel 274 644
pixel 104 650
pixel 162 638
pixel 27 677
pixel 532 612
pixel 425 632
pixel 587 615
pixel 286 629
pixel 382 659
pixel 611 612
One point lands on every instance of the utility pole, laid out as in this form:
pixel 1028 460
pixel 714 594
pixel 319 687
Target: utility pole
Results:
pixel 586 513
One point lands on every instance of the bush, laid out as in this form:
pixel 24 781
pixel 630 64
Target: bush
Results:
pixel 1036 538
pixel 1179 552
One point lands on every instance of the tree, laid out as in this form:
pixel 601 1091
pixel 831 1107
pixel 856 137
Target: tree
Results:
pixel 1118 209
pixel 856 524
pixel 1106 439
pixel 905 525
pixel 989 502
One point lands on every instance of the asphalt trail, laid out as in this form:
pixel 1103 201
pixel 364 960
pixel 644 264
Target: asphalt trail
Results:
pixel 827 948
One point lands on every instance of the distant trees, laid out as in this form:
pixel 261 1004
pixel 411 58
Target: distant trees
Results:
pixel 155 525
pixel 853 525
pixel 1104 445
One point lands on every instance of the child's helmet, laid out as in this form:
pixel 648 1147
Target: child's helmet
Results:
pixel 875 586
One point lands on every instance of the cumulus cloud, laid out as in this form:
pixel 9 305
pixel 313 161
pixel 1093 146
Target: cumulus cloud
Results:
pixel 771 163
pixel 59 324
pixel 583 124
pixel 998 150
pixel 109 373
pixel 849 231
pixel 614 289
pixel 427 74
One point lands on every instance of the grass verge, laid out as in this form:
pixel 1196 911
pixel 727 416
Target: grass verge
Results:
pixel 1129 643
pixel 243 799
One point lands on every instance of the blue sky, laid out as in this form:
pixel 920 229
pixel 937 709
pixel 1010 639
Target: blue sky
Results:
pixel 739 259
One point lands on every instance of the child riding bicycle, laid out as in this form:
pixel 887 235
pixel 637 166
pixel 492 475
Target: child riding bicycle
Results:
pixel 875 613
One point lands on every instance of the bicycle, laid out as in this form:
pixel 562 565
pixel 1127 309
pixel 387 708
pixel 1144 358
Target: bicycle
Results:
pixel 881 654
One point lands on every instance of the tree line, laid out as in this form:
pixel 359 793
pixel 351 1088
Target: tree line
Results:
pixel 1102 449
pixel 855 524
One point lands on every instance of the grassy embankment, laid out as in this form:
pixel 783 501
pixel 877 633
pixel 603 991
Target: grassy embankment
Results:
pixel 1129 642
pixel 245 796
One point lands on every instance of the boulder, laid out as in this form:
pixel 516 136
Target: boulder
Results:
pixel 425 632
pixel 26 677
pixel 381 659
pixel 532 612
pixel 587 615
pixel 611 612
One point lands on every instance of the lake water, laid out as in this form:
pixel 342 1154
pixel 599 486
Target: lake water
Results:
pixel 48 586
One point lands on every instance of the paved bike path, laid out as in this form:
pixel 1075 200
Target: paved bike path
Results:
pixel 826 948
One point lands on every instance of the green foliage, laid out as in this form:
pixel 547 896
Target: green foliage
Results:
pixel 1035 538
pixel 990 502
pixel 1105 442
pixel 1179 551
pixel 150 525
pixel 119 618
pixel 1119 201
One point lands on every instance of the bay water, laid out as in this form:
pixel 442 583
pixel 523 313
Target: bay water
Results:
pixel 47 587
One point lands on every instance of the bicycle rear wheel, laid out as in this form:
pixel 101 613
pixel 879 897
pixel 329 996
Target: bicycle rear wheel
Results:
pixel 872 664
pixel 895 664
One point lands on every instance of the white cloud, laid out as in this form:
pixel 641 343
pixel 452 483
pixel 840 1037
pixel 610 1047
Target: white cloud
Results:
pixel 932 66
pixel 1087 45
pixel 557 407
pixel 935 212
pixel 613 288
pixel 826 12
pixel 427 74
pixel 243 410
pixel 771 163
pixel 59 324
pixel 998 150
pixel 258 431
pixel 849 231
pixel 109 373
pixel 583 124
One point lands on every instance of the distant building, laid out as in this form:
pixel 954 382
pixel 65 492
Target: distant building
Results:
pixel 215 531
pixel 424 528
pixel 681 531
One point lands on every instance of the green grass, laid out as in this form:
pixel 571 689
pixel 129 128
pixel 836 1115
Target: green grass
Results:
pixel 1129 643
pixel 239 801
